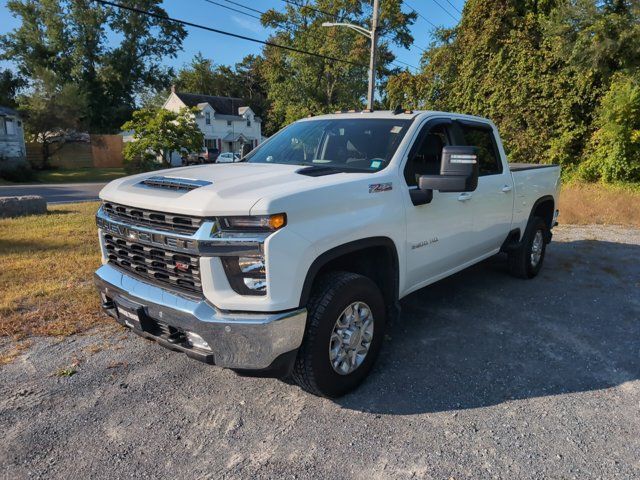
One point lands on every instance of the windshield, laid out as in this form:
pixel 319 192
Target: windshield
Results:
pixel 364 145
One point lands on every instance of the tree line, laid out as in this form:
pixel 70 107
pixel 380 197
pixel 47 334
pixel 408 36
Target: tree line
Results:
pixel 560 78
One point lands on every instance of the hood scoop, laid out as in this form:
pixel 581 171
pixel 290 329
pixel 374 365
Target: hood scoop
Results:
pixel 173 183
pixel 318 171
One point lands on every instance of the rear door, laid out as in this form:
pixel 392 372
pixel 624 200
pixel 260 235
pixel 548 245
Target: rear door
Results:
pixel 493 199
pixel 437 232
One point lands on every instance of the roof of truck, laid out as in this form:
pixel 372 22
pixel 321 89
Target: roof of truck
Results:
pixel 389 114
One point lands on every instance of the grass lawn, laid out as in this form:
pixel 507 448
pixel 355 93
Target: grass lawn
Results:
pixel 588 203
pixel 80 175
pixel 46 278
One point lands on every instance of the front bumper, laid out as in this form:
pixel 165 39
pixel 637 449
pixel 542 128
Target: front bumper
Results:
pixel 243 341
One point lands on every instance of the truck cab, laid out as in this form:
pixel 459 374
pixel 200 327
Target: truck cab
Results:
pixel 292 261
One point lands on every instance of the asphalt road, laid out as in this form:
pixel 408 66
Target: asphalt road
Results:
pixel 484 376
pixel 56 193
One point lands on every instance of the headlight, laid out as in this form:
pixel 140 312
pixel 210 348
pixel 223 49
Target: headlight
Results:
pixel 259 223
pixel 246 275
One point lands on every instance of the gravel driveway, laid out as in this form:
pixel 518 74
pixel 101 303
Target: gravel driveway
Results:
pixel 485 376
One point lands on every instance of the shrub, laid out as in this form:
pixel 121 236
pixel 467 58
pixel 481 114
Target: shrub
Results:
pixel 16 171
pixel 614 149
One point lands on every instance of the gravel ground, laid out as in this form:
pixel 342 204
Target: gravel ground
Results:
pixel 485 376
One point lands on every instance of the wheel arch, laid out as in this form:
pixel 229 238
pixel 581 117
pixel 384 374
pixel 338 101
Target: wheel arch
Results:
pixel 544 208
pixel 360 256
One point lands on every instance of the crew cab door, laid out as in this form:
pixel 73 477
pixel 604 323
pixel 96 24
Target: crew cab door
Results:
pixel 492 202
pixel 437 232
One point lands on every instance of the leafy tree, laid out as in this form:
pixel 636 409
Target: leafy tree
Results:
pixel 70 38
pixel 615 145
pixel 299 84
pixel 538 68
pixel 158 133
pixel 53 110
pixel 10 84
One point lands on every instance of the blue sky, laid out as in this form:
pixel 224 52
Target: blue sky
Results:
pixel 227 50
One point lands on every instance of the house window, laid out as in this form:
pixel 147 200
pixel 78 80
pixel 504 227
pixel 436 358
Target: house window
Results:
pixel 228 123
pixel 248 122
pixel 207 118
pixel 10 127
pixel 209 143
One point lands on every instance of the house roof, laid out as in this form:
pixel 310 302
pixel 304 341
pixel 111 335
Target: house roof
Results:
pixel 4 111
pixel 223 105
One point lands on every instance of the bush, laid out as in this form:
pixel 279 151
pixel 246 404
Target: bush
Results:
pixel 614 150
pixel 18 171
pixel 140 164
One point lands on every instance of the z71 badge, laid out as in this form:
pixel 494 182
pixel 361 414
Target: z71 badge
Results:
pixel 380 187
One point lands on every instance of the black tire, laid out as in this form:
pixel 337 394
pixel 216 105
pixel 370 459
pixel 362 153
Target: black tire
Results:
pixel 521 264
pixel 332 294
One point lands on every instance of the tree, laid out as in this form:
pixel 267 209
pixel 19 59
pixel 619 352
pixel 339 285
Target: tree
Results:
pixel 300 84
pixel 539 68
pixel 158 133
pixel 53 110
pixel 74 40
pixel 10 85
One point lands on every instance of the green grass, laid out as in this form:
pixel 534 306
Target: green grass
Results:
pixel 80 175
pixel 46 279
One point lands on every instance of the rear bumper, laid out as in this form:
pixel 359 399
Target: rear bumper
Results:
pixel 244 341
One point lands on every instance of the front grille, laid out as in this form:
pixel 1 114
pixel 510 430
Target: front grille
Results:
pixel 151 219
pixel 176 269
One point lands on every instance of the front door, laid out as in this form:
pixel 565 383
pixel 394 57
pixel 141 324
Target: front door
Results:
pixel 437 232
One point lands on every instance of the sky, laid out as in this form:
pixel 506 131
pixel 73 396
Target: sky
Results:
pixel 227 50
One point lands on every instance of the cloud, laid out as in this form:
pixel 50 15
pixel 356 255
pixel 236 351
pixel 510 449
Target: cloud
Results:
pixel 251 25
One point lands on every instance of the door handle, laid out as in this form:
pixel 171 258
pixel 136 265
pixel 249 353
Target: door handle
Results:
pixel 506 189
pixel 463 197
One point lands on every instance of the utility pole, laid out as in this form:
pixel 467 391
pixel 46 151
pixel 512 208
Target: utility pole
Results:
pixel 372 59
pixel 373 36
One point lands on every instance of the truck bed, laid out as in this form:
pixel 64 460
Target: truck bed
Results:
pixel 518 167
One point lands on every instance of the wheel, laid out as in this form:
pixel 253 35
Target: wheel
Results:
pixel 344 334
pixel 526 261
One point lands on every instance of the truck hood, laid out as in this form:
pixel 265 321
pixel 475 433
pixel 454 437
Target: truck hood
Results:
pixel 234 188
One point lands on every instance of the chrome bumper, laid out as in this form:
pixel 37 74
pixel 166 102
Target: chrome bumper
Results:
pixel 245 341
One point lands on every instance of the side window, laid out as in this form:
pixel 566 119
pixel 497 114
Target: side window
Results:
pixel 489 162
pixel 427 157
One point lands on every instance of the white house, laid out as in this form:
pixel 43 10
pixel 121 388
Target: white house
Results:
pixel 11 134
pixel 227 122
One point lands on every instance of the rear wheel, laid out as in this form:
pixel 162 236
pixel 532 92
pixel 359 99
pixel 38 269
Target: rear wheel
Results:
pixel 344 334
pixel 526 261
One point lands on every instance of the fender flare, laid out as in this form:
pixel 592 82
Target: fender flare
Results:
pixel 351 247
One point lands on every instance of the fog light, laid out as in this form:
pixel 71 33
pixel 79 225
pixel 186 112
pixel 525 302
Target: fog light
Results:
pixel 197 341
pixel 251 264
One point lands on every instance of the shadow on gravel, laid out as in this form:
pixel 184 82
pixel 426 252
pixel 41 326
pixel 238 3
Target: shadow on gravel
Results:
pixel 481 337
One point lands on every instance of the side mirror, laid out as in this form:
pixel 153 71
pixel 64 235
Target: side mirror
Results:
pixel 458 171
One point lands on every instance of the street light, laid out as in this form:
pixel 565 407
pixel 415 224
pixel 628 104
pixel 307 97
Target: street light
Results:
pixel 371 35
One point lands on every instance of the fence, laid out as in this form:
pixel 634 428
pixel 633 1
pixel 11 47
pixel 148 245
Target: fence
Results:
pixel 103 151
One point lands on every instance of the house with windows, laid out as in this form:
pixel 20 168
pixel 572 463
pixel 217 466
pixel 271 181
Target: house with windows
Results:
pixel 228 124
pixel 11 134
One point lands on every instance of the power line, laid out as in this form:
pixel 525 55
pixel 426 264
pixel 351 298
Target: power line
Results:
pixel 454 7
pixel 222 32
pixel 232 9
pixel 313 9
pixel 421 15
pixel 244 6
pixel 445 10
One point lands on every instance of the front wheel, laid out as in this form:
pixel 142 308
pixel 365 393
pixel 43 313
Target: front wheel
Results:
pixel 344 334
pixel 526 261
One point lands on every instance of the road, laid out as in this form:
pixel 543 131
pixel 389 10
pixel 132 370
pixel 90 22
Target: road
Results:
pixel 483 376
pixel 56 193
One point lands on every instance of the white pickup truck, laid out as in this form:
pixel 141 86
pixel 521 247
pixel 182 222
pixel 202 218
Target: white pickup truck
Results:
pixel 291 262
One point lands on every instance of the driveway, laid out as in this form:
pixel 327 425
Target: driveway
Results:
pixel 56 193
pixel 484 376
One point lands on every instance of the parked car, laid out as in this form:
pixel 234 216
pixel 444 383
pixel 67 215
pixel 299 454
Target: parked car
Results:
pixel 228 157
pixel 205 155
pixel 292 262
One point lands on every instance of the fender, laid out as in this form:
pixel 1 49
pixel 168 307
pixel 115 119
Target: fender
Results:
pixel 352 247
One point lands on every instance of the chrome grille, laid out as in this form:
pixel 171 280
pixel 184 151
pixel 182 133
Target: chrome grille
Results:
pixel 177 269
pixel 151 219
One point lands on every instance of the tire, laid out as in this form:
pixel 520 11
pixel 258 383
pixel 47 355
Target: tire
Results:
pixel 522 261
pixel 313 369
